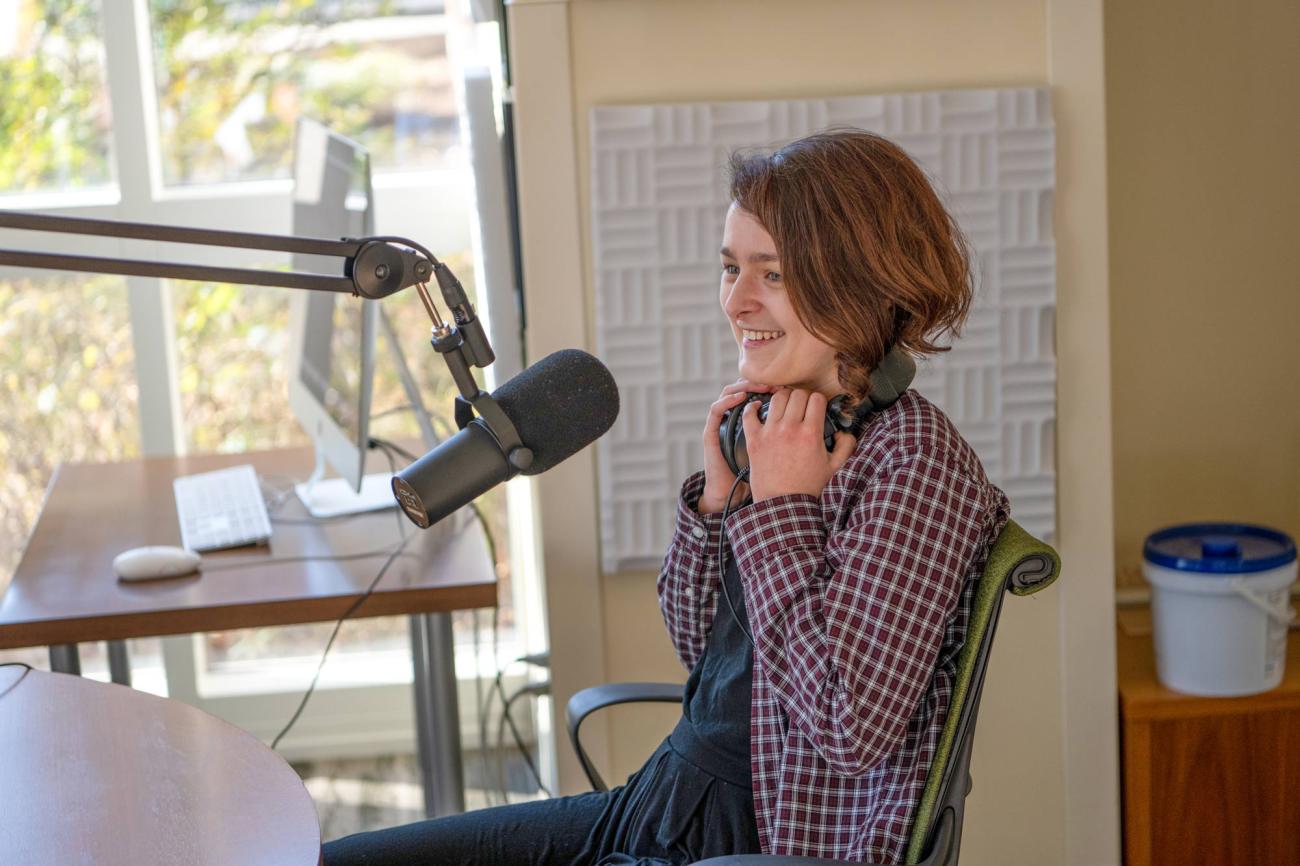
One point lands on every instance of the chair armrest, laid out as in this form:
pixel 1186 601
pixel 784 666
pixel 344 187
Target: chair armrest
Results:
pixel 587 701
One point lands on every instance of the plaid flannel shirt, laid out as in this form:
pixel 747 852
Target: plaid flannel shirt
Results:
pixel 858 601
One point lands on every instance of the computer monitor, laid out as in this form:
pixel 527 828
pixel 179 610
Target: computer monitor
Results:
pixel 333 336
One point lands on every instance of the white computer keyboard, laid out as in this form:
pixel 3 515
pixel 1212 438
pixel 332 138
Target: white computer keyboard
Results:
pixel 221 509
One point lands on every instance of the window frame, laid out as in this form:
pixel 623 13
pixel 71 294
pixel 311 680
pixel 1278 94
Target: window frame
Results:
pixel 351 719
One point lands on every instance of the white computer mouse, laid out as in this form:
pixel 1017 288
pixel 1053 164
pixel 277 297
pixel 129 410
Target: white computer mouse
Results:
pixel 147 563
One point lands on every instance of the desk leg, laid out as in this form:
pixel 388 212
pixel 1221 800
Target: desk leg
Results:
pixel 65 659
pixel 437 715
pixel 119 663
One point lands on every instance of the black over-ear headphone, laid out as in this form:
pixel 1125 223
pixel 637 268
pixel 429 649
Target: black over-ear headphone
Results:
pixel 731 435
pixel 889 380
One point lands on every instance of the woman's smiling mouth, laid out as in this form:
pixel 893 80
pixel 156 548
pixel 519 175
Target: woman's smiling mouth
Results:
pixel 755 338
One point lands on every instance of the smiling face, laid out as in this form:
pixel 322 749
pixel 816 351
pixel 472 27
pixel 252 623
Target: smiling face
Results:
pixel 775 347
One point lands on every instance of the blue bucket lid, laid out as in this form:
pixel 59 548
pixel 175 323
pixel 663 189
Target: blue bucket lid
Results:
pixel 1219 548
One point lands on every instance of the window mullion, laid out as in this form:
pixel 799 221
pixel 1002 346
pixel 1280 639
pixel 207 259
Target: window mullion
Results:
pixel 136 151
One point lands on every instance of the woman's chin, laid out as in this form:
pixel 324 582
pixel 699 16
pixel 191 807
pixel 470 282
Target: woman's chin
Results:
pixel 762 374
pixel 754 373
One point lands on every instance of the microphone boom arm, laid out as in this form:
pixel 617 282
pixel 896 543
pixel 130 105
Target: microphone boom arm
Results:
pixel 373 268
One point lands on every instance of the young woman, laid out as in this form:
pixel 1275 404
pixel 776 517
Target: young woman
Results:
pixel 822 644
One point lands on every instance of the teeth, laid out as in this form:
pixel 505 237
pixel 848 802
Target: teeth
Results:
pixel 762 335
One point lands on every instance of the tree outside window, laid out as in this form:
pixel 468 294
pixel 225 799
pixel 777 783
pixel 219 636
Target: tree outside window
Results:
pixel 54 114
pixel 233 77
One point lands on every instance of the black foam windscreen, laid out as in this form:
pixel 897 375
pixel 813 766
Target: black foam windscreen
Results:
pixel 559 405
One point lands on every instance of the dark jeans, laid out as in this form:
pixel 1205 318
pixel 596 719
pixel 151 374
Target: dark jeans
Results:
pixel 541 832
pixel 669 813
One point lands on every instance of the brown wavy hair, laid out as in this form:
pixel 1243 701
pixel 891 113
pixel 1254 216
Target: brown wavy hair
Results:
pixel 869 254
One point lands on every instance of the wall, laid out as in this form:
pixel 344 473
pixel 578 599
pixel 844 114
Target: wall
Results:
pixel 781 50
pixel 1204 181
pixel 1052 674
pixel 774 49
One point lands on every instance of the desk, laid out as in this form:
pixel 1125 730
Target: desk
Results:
pixel 99 773
pixel 64 592
pixel 1208 780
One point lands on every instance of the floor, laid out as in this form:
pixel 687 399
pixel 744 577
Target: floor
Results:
pixel 353 796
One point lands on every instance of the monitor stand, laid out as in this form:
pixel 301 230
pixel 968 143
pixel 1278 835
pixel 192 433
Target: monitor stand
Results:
pixel 335 497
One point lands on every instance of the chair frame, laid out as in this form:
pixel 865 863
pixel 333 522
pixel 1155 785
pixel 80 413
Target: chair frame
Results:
pixel 943 835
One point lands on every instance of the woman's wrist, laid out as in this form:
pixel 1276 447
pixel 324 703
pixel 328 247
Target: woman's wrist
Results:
pixel 709 504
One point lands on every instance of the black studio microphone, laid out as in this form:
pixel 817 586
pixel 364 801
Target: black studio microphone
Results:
pixel 559 406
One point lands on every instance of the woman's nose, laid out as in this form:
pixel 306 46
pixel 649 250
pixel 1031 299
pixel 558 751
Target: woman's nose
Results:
pixel 740 297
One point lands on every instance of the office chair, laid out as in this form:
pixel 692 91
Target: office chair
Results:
pixel 1018 563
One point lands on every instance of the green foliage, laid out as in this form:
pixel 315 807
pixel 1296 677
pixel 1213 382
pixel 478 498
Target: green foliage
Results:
pixel 68 392
pixel 232 348
pixel 252 69
pixel 66 358
pixel 53 108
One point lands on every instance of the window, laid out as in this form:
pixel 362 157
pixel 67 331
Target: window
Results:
pixel 229 80
pixel 54 117
pixel 231 342
pixel 68 372
pixel 234 76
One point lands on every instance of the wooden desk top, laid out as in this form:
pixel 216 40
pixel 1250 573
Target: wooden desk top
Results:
pixel 64 589
pixel 1143 697
pixel 104 774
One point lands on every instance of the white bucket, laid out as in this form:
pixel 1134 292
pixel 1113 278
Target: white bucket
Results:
pixel 1220 607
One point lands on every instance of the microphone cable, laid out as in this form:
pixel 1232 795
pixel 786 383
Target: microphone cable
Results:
pixel 27 669
pixel 383 569
pixel 392 557
pixel 482 700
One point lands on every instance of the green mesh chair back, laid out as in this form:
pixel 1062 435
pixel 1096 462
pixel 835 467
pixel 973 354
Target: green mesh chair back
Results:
pixel 1020 564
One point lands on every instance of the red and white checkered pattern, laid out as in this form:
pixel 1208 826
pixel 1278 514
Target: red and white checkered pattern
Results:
pixel 858 602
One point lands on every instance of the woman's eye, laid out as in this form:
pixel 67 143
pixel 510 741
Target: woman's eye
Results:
pixel 773 277
pixel 730 269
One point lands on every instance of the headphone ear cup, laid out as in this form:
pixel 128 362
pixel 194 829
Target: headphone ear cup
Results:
pixel 837 419
pixel 829 429
pixel 727 438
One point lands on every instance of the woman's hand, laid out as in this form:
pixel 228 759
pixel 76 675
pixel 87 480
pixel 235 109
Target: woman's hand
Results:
pixel 787 453
pixel 718 476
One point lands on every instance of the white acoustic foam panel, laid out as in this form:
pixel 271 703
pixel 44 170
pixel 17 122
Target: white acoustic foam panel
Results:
pixel 658 202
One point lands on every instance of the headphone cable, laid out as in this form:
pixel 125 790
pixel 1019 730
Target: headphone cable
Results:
pixel 722 555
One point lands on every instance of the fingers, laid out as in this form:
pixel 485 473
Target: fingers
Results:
pixel 844 446
pixel 744 385
pixel 816 409
pixel 756 387
pixel 720 406
pixel 776 407
pixel 752 425
pixel 797 405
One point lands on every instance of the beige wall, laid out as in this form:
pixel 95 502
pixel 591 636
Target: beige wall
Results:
pixel 1040 796
pixel 1203 113
pixel 675 50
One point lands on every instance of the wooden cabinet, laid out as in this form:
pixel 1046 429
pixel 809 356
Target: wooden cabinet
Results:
pixel 1212 781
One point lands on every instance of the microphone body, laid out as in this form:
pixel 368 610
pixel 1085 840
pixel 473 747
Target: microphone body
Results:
pixel 455 473
pixel 559 406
